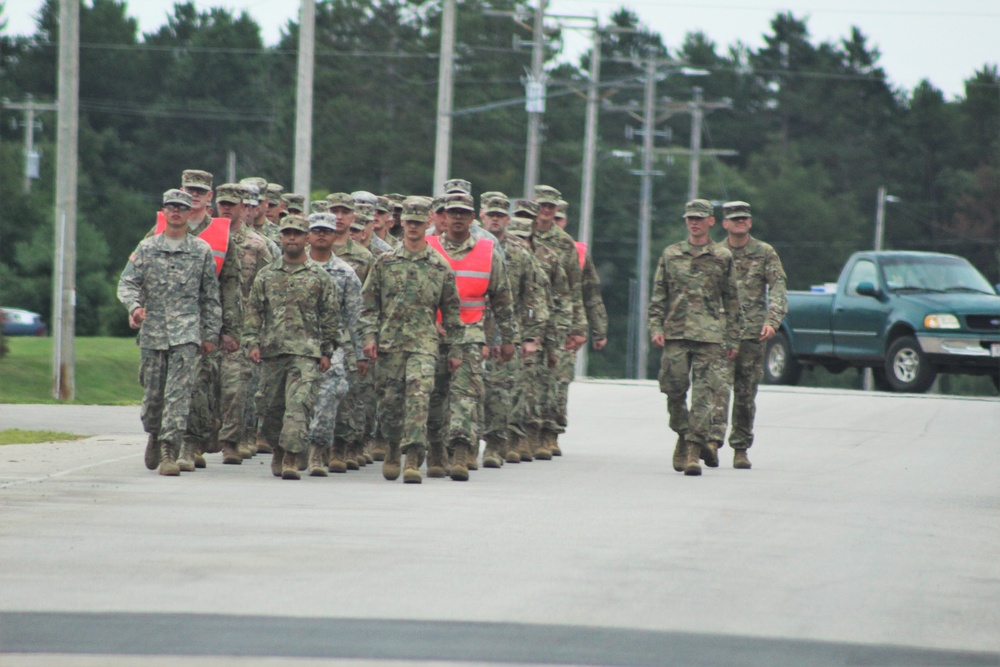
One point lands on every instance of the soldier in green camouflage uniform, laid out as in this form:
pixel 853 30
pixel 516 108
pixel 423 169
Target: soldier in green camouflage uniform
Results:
pixel 293 327
pixel 395 226
pixel 257 208
pixel 384 221
pixel 503 426
pixel 549 235
pixel 348 448
pixel 366 211
pixel 294 203
pixel 335 385
pixel 172 296
pixel 275 208
pixel 764 302
pixel 694 315
pixel 405 289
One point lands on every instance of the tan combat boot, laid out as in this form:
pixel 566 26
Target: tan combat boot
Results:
pixel 168 460
pixel 511 455
pixel 740 459
pixel 317 457
pixel 152 458
pixel 198 453
pixel 378 450
pixel 710 454
pixel 680 454
pixel 390 466
pixel 472 457
pixel 491 455
pixel 691 465
pixel 262 446
pixel 251 444
pixel 290 466
pixel 435 461
pixel 524 447
pixel 338 456
pixel 353 451
pixel 553 444
pixel 459 469
pixel 212 446
pixel 277 456
pixel 411 471
pixel 367 451
pixel 185 458
pixel 229 454
pixel 541 441
pixel 243 449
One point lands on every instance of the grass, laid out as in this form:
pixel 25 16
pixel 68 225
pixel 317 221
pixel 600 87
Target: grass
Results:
pixel 15 436
pixel 107 371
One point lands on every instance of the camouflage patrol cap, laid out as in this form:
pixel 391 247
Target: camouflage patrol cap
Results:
pixel 274 192
pixel 341 199
pixel 519 227
pixel 295 203
pixel 698 208
pixel 736 209
pixel 494 202
pixel 232 193
pixel 297 222
pixel 323 221
pixel 437 204
pixel 396 199
pixel 384 205
pixel 459 200
pixel 365 212
pixel 321 206
pixel 196 178
pixel 561 208
pixel 457 185
pixel 252 194
pixel 358 225
pixel 546 194
pixel 416 209
pixel 364 197
pixel 526 206
pixel 175 196
pixel 257 181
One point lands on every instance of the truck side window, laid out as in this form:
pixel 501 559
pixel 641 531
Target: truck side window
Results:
pixel 863 271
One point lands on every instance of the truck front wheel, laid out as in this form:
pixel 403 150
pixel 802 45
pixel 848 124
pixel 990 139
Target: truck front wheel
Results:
pixel 907 368
pixel 780 366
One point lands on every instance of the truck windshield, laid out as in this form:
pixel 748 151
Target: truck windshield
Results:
pixel 933 274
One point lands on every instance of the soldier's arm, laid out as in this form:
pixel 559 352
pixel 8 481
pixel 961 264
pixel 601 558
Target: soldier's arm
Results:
pixel 371 307
pixel 130 282
pixel 254 316
pixel 777 294
pixel 534 301
pixel 208 301
pixel 328 310
pixel 351 312
pixel 657 310
pixel 562 303
pixel 731 304
pixel 501 302
pixel 593 302
pixel 448 305
pixel 571 265
pixel 229 294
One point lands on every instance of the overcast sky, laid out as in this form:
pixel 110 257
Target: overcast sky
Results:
pixel 943 41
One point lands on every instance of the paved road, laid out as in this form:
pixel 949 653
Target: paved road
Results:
pixel 866 533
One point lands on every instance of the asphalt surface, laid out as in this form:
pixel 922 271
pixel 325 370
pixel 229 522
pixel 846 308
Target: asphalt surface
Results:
pixel 867 533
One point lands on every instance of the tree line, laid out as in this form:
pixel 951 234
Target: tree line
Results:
pixel 817 127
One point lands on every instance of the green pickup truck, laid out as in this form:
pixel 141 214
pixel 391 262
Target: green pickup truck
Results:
pixel 906 315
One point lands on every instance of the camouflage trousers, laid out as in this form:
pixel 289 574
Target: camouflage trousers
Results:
pixel 285 399
pixel 250 410
pixel 456 399
pixel 404 382
pixel 564 371
pixel 235 372
pixel 202 420
pixel 351 414
pixel 526 411
pixel 551 411
pixel 369 403
pixel 332 390
pixel 167 378
pixel 744 376
pixel 500 380
pixel 702 367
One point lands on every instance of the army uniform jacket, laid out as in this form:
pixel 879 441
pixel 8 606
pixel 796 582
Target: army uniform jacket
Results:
pixel 552 277
pixel 402 296
pixel 529 295
pixel 761 278
pixel 696 296
pixel 349 292
pixel 497 294
pixel 593 302
pixel 178 289
pixel 358 256
pixel 254 255
pixel 557 240
pixel 293 309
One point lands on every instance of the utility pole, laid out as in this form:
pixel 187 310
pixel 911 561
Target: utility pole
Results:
pixel 64 277
pixel 29 106
pixel 535 104
pixel 446 69
pixel 645 214
pixel 304 100
pixel 698 106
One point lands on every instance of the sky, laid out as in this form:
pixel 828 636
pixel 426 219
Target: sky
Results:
pixel 944 42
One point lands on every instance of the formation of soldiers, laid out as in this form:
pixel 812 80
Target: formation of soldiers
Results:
pixel 389 328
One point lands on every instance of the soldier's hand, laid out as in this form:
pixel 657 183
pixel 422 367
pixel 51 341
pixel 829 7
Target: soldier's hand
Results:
pixel 324 364
pixel 553 360
pixel 732 354
pixel 362 367
pixel 575 342
pixel 599 343
pixel 229 343
pixel 453 364
pixel 507 351
pixel 491 351
pixel 659 340
pixel 528 348
pixel 440 329
pixel 370 351
pixel 136 318
pixel 255 355
pixel 207 347
pixel 766 333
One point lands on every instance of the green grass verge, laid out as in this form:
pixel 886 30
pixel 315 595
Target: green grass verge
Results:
pixel 15 436
pixel 107 371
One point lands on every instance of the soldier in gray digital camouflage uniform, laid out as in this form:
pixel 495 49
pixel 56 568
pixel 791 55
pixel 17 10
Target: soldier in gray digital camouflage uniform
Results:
pixel 172 296
pixel 292 326
pixel 764 302
pixel 334 386
pixel 694 315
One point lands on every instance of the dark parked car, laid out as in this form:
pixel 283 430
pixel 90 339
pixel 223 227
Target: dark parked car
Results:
pixel 17 322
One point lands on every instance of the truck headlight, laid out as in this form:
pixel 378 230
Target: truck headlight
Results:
pixel 942 321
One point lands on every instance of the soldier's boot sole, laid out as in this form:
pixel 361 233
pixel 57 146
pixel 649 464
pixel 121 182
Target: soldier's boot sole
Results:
pixel 710 454
pixel 740 460
pixel 152 455
pixel 337 465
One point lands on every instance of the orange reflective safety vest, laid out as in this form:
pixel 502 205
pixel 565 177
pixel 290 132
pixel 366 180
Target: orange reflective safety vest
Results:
pixel 581 252
pixel 215 235
pixel 472 274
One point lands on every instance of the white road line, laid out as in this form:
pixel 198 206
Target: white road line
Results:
pixel 63 473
